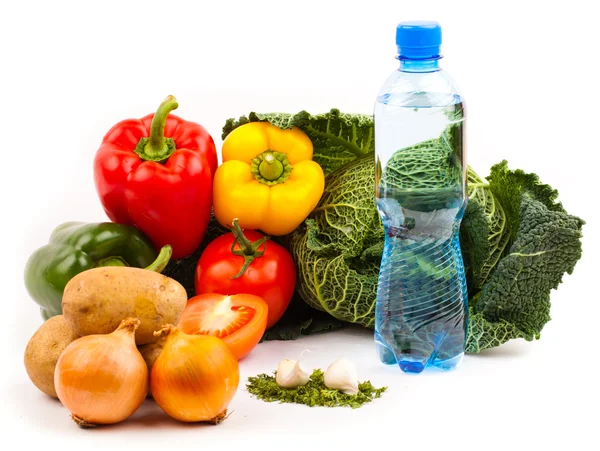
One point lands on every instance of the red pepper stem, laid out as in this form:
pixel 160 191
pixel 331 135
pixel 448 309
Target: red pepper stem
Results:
pixel 156 147
pixel 156 143
pixel 248 250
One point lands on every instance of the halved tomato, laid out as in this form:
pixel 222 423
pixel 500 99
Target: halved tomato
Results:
pixel 239 320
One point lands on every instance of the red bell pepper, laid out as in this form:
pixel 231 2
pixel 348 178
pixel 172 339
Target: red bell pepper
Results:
pixel 156 173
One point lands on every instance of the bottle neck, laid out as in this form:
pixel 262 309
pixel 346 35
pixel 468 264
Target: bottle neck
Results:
pixel 425 65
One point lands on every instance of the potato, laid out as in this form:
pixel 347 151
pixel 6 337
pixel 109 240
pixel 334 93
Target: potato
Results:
pixel 44 349
pixel 97 300
pixel 150 353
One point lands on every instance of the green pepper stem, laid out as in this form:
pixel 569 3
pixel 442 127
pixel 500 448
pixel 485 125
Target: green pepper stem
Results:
pixel 248 250
pixel 162 260
pixel 157 147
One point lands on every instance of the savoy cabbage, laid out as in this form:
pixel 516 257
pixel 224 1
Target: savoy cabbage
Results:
pixel 545 243
pixel 517 241
pixel 338 250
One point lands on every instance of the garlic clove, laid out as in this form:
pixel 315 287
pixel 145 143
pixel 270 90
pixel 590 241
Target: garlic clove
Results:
pixel 341 375
pixel 285 373
pixel 303 375
pixel 291 374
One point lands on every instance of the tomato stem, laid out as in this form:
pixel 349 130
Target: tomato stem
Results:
pixel 248 249
pixel 244 243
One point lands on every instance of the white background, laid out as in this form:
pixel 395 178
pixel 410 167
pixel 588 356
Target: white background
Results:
pixel 528 70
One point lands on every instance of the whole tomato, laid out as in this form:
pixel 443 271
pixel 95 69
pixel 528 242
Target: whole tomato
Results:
pixel 248 262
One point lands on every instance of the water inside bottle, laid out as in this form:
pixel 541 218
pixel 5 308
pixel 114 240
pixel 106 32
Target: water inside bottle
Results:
pixel 421 311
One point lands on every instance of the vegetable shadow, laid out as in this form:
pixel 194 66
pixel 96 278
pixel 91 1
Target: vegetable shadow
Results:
pixel 150 415
pixel 514 349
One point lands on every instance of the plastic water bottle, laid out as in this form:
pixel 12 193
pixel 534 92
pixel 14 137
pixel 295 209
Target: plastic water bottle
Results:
pixel 421 310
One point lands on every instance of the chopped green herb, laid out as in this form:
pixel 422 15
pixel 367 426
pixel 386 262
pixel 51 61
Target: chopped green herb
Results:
pixel 314 393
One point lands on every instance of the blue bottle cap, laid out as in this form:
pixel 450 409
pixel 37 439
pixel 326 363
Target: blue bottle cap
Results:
pixel 419 39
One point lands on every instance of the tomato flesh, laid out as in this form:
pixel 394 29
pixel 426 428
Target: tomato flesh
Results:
pixel 239 320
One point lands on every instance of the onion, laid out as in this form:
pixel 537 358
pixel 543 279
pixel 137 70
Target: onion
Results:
pixel 102 379
pixel 195 376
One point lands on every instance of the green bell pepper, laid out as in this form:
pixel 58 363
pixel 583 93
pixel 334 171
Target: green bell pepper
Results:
pixel 75 247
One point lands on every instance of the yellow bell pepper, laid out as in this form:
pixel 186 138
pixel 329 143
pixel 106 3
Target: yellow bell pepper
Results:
pixel 267 180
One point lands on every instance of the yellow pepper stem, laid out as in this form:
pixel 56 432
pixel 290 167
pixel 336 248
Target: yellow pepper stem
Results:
pixel 271 168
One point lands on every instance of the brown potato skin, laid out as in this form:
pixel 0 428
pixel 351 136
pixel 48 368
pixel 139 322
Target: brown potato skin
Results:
pixel 150 353
pixel 44 349
pixel 97 300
